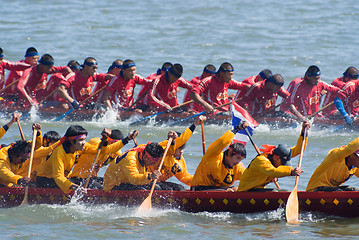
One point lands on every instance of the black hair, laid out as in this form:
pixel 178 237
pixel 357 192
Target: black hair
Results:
pixel 73 64
pixel 52 136
pixel 238 148
pixel 46 58
pixel 351 72
pixel 117 62
pixel 116 134
pixel 88 59
pixel 154 149
pixel 166 65
pixel 312 70
pixel 277 79
pixel 127 61
pixel 265 74
pixel 210 67
pixel 31 50
pixel 19 148
pixel 225 66
pixel 75 130
pixel 1 51
pixel 176 70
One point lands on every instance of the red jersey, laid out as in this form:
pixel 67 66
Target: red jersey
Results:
pixel 285 106
pixel 218 90
pixel 53 84
pixel 81 87
pixel 338 82
pixel 163 94
pixel 307 98
pixel 350 94
pixel 258 98
pixel 12 66
pixel 195 106
pixel 125 89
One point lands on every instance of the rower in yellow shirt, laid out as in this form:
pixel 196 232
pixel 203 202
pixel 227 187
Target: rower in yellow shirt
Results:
pixel 3 129
pixel 217 169
pixel 338 167
pixel 131 170
pixel 270 165
pixel 54 172
pixel 12 158
pixel 82 168
pixel 174 163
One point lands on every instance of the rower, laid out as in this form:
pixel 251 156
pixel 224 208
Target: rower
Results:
pixel 218 170
pixel 82 168
pixel 305 95
pixel 54 172
pixel 339 166
pixel 174 163
pixel 12 158
pixel 217 87
pixel 271 164
pixel 131 170
pixel 208 71
pixel 3 129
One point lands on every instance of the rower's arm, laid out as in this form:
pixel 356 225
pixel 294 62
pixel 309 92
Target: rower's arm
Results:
pixel 106 98
pixel 198 99
pixel 294 110
pixel 339 104
pixel 62 91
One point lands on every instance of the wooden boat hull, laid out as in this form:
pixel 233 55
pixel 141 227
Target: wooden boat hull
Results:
pixel 343 204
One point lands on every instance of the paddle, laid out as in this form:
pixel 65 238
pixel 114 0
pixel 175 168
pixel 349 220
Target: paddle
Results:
pixel 93 164
pixel 342 126
pixel 258 152
pixel 25 200
pixel 269 110
pixel 159 113
pixel 147 203
pixel 292 207
pixel 9 85
pixel 326 106
pixel 203 139
pixel 20 129
pixel 84 101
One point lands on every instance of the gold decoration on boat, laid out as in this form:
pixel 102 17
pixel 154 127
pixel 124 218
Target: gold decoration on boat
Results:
pixel 117 199
pixel 51 198
pixel 64 198
pixel 225 201
pixel 198 201
pixel 130 200
pixel 239 201
pixel 280 201
pixel 336 202
pixel 308 202
pixel 252 201
pixel 350 201
pixel 266 202
pixel 104 199
pixel 171 200
pixel 211 201
pixel 322 201
pixel 38 197
pixel 12 197
pixel 184 201
pixel 157 200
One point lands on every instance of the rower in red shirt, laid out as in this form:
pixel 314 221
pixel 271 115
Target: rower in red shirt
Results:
pixel 82 85
pixel 163 94
pixel 349 75
pixel 305 97
pixel 31 58
pixel 217 86
pixel 262 95
pixel 34 80
pixel 262 75
pixel 124 85
pixel 145 89
pixel 208 71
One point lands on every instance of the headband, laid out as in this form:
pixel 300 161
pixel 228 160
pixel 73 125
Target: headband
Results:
pixel 1 55
pixel 355 76
pixel 47 63
pixel 209 71
pixel 90 64
pixel 225 70
pixel 152 159
pixel 272 80
pixel 313 74
pixel 231 147
pixel 77 137
pixel 125 66
pixel 174 73
pixel 262 75
pixel 31 54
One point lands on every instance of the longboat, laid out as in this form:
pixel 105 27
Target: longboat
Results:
pixel 342 204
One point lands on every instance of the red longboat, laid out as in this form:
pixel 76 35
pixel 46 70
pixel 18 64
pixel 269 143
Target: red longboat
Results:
pixel 343 204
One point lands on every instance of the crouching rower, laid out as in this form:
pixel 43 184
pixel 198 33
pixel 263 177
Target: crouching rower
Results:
pixel 270 165
pixel 340 165
pixel 54 172
pixel 217 169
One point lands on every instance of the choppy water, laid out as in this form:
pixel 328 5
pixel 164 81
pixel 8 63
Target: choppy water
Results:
pixel 286 37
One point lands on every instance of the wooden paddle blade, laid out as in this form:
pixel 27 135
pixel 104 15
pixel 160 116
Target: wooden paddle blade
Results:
pixel 25 200
pixel 146 205
pixel 292 207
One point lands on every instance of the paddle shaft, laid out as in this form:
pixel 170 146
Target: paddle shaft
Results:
pixel 20 129
pixel 6 87
pixel 269 110
pixel 258 152
pixel 93 164
pixel 203 139
pixel 326 106
pixel 301 156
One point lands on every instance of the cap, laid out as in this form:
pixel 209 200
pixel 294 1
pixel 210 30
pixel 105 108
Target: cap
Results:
pixel 284 152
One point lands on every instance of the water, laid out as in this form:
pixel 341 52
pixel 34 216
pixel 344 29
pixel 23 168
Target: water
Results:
pixel 286 37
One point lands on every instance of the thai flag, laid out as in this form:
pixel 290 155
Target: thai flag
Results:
pixel 240 114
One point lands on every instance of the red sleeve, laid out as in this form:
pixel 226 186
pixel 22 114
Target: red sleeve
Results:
pixel 185 84
pixel 23 81
pixel 141 80
pixel 346 91
pixel 14 66
pixel 237 85
pixel 202 86
pixel 100 77
pixel 283 93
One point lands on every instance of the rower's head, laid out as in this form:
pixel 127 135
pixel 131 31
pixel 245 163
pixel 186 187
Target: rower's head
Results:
pixel 46 62
pixel 116 67
pixel 235 153
pixel 350 74
pixel 50 138
pixel 164 68
pixel 31 56
pixel 74 65
pixel 174 72
pixel 209 70
pixel 89 68
pixel 225 72
pixel 76 138
pixel 1 55
pixel 152 153
pixel 128 69
pixel 274 83
pixel 281 155
pixel 115 136
pixel 312 75
pixel 264 75
pixel 19 151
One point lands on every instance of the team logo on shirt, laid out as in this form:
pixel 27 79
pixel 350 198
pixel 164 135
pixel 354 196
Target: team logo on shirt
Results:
pixel 128 92
pixel 41 85
pixel 270 102
pixel 314 100
pixel 86 91
pixel 356 103
pixel 176 168
pixel 228 179
pixel 222 96
pixel 172 94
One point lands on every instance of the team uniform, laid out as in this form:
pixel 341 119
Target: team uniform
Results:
pixel 163 95
pixel 12 77
pixel 284 107
pixel 12 66
pixel 333 171
pixel 211 171
pixel 58 166
pixel 218 90
pixel 306 98
pixel 350 95
pixel 125 89
pixel 51 86
pixel 258 98
pixel 127 169
pixel 3 130
pixel 261 171
pixel 195 106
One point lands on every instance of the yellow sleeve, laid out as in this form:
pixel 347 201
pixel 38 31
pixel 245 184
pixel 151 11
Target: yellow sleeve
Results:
pixel 113 148
pixel 39 140
pixel 132 172
pixel 6 175
pixel 2 132
pixel 44 151
pixel 297 148
pixel 183 176
pixel 217 146
pixel 179 142
pixel 58 170
pixel 266 168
